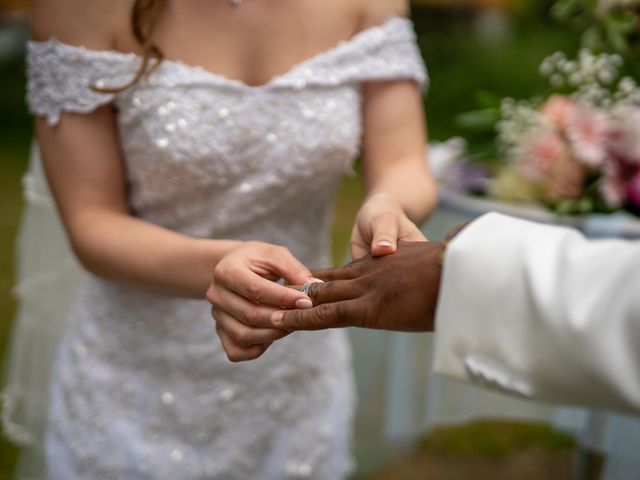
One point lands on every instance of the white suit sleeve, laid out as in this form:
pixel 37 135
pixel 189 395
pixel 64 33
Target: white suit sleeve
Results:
pixel 541 312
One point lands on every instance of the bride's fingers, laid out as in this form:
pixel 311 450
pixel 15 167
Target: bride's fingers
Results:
pixel 249 313
pixel 330 315
pixel 244 335
pixel 411 233
pixel 359 251
pixel 385 231
pixel 285 265
pixel 359 244
pixel 257 289
pixel 238 353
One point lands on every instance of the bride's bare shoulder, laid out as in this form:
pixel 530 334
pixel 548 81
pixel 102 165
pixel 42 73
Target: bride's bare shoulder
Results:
pixel 93 24
pixel 376 12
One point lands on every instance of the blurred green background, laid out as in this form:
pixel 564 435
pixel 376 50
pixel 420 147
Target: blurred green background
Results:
pixel 471 47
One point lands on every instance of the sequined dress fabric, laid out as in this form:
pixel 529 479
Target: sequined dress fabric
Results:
pixel 141 387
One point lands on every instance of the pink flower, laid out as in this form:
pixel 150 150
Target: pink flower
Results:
pixel 633 189
pixel 548 161
pixel 612 185
pixel 587 133
pixel 541 150
pixel 624 134
pixel 556 109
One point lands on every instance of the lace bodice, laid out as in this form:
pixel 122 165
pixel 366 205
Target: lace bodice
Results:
pixel 212 157
pixel 194 140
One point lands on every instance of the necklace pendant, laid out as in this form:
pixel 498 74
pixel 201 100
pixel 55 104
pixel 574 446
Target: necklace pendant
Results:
pixel 235 3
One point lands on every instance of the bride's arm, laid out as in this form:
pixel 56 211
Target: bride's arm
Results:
pixel 400 190
pixel 394 145
pixel 86 175
pixel 87 178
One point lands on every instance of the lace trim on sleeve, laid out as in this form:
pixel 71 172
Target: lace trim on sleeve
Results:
pixel 60 78
pixel 385 52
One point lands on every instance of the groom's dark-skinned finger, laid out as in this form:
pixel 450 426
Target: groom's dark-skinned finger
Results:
pixel 327 315
pixel 344 272
pixel 333 291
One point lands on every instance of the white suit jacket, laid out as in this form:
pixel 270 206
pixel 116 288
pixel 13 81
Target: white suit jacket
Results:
pixel 541 312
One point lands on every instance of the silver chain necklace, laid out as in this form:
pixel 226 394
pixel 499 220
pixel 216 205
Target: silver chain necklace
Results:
pixel 235 3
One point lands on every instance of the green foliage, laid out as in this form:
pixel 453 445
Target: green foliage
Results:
pixel 606 26
pixel 15 123
pixel 468 73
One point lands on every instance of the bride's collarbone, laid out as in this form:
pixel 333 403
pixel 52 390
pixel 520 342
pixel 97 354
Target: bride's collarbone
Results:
pixel 253 48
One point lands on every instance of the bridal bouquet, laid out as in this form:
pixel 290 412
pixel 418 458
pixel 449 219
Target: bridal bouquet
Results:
pixel 577 148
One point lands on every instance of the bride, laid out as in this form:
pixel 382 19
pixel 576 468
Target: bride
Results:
pixel 193 149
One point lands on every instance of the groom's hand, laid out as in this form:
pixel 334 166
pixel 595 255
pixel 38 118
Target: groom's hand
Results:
pixel 393 292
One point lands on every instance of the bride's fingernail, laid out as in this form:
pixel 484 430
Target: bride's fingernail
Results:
pixel 315 280
pixel 277 317
pixel 304 303
pixel 385 243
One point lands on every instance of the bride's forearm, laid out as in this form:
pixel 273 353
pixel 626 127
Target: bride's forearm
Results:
pixel 410 184
pixel 123 248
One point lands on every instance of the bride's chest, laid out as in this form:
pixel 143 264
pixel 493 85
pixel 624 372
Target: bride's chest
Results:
pixel 216 135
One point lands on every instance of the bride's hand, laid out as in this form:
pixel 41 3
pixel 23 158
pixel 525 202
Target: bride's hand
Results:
pixel 379 225
pixel 243 295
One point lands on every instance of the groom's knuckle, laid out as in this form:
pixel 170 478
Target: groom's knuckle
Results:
pixel 342 314
pixel 292 319
pixel 366 282
pixel 324 313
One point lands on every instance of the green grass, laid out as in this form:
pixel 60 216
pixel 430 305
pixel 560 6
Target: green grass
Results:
pixel 489 450
pixel 495 440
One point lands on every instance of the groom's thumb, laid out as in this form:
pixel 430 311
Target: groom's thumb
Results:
pixel 385 235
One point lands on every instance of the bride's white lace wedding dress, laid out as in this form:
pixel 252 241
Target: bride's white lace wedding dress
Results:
pixel 141 387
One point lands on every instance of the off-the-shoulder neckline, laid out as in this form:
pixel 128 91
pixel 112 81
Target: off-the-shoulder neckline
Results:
pixel 306 63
